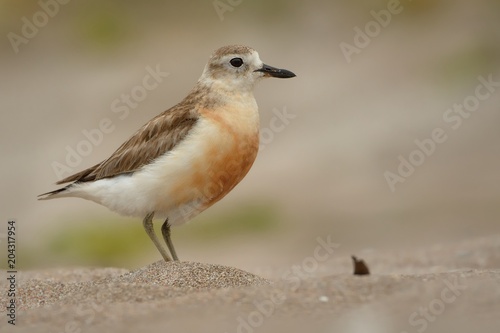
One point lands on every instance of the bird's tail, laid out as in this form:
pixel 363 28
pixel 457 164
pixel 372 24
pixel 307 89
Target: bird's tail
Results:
pixel 53 194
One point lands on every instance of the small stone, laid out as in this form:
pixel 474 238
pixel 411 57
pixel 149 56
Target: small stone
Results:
pixel 323 299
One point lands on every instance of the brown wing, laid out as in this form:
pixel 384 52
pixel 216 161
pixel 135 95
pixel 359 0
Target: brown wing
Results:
pixel 160 135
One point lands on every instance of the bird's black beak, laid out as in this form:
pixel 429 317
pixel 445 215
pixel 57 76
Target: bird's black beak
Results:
pixel 275 72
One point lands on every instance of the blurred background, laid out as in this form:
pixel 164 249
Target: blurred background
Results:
pixel 372 78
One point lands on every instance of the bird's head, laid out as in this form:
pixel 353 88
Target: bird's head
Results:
pixel 238 67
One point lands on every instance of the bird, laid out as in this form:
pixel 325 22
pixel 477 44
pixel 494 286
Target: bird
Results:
pixel 188 157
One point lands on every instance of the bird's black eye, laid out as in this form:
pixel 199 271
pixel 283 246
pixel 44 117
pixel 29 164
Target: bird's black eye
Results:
pixel 236 62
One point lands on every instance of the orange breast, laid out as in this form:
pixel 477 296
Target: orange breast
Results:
pixel 229 166
pixel 226 159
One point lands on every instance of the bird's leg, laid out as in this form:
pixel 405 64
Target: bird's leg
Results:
pixel 165 230
pixel 148 226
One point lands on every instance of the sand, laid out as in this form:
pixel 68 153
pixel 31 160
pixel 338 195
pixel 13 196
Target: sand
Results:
pixel 443 288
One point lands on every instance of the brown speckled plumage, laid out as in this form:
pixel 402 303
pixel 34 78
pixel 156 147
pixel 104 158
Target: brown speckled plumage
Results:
pixel 160 135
